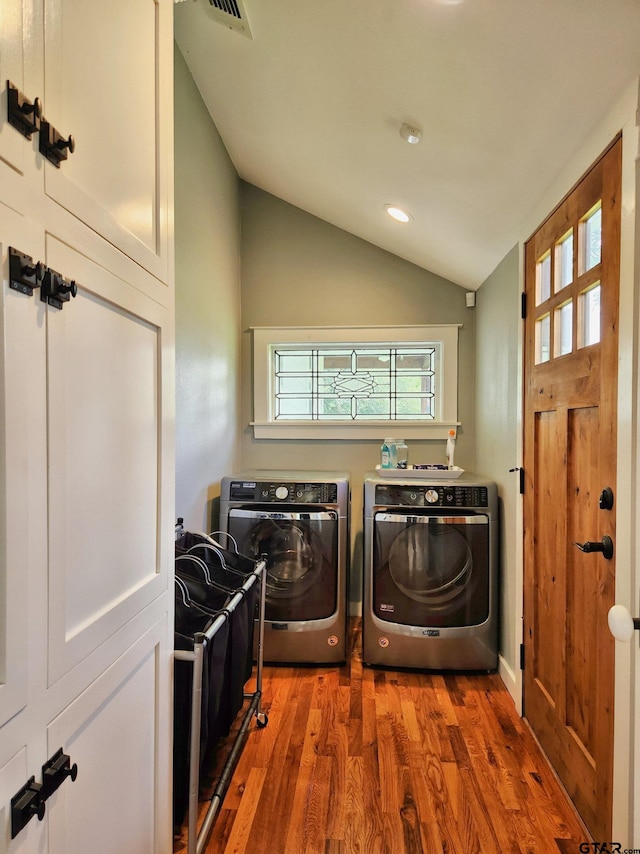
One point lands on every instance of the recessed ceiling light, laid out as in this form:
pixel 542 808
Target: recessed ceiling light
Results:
pixel 397 213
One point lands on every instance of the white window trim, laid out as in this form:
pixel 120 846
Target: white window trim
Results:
pixel 267 337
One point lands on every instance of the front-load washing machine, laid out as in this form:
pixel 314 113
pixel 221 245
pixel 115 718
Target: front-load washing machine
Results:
pixel 300 521
pixel 430 583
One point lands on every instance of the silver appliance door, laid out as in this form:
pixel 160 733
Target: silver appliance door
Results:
pixel 301 549
pixel 431 570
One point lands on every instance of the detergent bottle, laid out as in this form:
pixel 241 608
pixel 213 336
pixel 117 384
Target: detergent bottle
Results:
pixel 451 447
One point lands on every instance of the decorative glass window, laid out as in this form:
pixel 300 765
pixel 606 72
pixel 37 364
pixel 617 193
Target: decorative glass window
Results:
pixel 332 382
pixel 363 383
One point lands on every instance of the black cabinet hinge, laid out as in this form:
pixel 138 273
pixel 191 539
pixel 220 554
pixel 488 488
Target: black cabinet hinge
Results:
pixel 521 656
pixel 523 306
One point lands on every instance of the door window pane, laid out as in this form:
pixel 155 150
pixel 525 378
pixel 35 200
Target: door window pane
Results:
pixel 564 329
pixel 591 239
pixel 543 339
pixel 543 278
pixel 564 261
pixel 589 317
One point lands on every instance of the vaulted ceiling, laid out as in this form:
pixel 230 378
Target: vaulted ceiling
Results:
pixel 310 105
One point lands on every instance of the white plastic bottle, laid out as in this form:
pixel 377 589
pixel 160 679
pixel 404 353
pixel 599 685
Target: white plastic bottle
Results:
pixel 451 447
pixel 388 454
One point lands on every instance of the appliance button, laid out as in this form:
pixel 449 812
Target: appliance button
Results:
pixel 282 492
pixel 431 495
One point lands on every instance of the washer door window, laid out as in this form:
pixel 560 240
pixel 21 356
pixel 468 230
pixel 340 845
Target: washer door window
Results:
pixel 431 570
pixel 301 550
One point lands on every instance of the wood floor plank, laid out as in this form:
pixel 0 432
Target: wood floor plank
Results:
pixel 357 760
pixel 241 830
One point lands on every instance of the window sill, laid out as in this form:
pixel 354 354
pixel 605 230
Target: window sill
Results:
pixel 352 430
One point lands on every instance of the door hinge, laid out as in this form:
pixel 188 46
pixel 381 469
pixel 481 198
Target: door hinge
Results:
pixel 521 656
pixel 520 471
pixel 523 306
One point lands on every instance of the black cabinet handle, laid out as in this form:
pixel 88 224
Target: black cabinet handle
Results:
pixel 53 144
pixel 30 800
pixel 56 290
pixel 55 771
pixel 25 804
pixel 22 114
pixel 24 274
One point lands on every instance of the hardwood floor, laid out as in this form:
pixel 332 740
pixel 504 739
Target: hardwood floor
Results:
pixel 381 762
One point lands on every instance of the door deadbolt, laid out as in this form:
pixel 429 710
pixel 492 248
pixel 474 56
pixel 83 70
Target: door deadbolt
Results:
pixel 606 499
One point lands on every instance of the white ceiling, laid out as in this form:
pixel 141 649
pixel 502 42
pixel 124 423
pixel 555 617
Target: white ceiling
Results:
pixel 504 91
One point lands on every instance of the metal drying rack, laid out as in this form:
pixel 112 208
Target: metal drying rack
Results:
pixel 196 841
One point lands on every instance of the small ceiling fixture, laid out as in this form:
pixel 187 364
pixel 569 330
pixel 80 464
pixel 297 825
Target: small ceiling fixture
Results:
pixel 410 133
pixel 397 213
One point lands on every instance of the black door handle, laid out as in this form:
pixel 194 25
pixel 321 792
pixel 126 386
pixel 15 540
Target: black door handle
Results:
pixel 605 546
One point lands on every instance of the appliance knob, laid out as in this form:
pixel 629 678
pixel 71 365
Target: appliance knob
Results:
pixel 282 492
pixel 431 495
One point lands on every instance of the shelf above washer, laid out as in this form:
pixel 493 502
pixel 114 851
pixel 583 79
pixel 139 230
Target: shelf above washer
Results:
pixel 424 473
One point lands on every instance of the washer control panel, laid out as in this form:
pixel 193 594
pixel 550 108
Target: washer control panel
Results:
pixel 279 492
pixel 431 495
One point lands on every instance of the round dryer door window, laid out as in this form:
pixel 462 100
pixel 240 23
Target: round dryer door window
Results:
pixel 294 556
pixel 431 563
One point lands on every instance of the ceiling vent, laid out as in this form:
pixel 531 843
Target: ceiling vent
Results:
pixel 232 14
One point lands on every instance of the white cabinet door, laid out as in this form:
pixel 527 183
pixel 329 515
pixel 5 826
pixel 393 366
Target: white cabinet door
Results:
pixel 22 458
pixel 105 66
pixel 107 354
pixel 86 415
pixel 112 732
pixel 13 146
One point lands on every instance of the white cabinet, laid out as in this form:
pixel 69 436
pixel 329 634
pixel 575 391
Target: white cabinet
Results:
pixel 106 70
pixel 112 806
pixel 13 149
pixel 107 359
pixel 86 415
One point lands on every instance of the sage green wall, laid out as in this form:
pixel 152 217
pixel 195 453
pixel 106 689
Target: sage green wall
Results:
pixel 497 406
pixel 207 228
pixel 298 270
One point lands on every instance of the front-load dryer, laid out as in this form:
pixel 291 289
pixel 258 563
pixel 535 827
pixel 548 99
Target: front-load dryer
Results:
pixel 430 572
pixel 300 522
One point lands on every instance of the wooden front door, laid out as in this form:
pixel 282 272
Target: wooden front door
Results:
pixel 571 350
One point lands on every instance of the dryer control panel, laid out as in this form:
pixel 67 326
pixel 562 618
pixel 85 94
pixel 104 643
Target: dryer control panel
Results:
pixel 427 495
pixel 277 492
